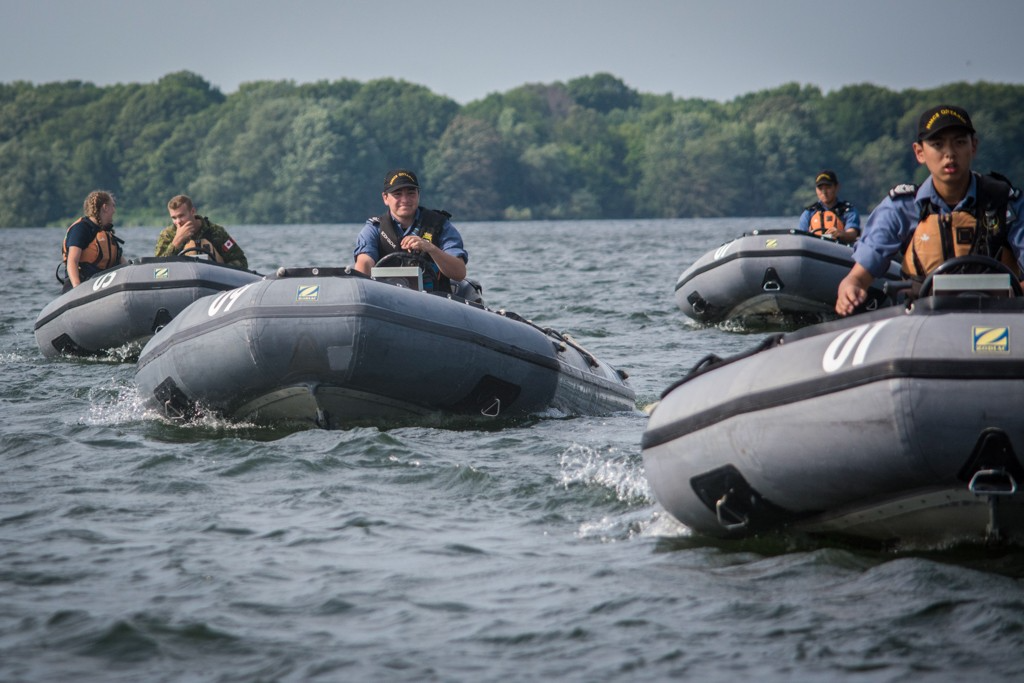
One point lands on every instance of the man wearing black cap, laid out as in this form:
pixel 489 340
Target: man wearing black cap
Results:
pixel 829 216
pixel 406 226
pixel 938 220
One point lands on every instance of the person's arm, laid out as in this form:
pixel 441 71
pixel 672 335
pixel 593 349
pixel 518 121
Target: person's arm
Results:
pixel 364 264
pixel 453 267
pixel 851 231
pixel 1016 231
pixel 74 256
pixel 165 245
pixel 229 249
pixel 805 221
pixel 174 238
pixel 365 252
pixel 886 228
pixel 853 289
pixel 847 236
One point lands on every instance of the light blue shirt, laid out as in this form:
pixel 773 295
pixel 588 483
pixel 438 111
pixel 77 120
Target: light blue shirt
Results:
pixel 893 221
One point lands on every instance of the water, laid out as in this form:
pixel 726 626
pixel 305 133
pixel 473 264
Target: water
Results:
pixel 135 550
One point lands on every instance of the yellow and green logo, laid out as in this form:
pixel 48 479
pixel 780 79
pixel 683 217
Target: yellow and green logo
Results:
pixel 991 339
pixel 308 293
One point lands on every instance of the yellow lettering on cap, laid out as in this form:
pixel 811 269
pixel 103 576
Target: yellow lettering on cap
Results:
pixel 945 112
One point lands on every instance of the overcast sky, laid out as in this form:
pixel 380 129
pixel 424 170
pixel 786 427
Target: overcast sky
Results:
pixel 465 49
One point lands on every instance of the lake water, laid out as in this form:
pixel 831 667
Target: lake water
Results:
pixel 136 550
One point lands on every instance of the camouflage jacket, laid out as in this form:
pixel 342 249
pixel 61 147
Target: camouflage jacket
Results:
pixel 217 235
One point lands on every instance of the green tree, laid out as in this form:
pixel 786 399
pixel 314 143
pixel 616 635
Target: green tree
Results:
pixel 603 93
pixel 30 184
pixel 404 120
pixel 237 166
pixel 875 168
pixel 468 172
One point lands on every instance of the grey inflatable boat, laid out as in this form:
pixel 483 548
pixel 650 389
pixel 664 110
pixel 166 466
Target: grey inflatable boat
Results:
pixel 903 425
pixel 334 348
pixel 125 305
pixel 782 277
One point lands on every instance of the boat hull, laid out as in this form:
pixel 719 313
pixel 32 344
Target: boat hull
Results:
pixel 771 276
pixel 339 349
pixel 126 304
pixel 868 427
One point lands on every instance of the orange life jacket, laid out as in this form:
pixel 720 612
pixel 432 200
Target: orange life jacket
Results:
pixel 939 237
pixel 103 252
pixel 823 221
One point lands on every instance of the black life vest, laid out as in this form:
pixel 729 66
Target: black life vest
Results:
pixel 429 228
pixel 939 236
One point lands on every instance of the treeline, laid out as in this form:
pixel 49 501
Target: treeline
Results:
pixel 278 152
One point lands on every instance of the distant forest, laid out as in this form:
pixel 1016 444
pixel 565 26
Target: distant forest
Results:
pixel 277 152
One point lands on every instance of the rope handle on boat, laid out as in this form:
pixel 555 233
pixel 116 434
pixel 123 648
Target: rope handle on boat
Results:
pixel 314 271
pixel 563 337
pixel 566 338
pixel 712 360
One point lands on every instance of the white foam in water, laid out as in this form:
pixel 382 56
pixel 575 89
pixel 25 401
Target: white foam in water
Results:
pixel 125 406
pixel 663 525
pixel 584 465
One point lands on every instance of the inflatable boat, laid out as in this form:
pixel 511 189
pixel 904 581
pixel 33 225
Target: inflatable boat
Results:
pixel 899 426
pixel 334 348
pixel 771 277
pixel 125 305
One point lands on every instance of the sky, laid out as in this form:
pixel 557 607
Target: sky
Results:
pixel 467 49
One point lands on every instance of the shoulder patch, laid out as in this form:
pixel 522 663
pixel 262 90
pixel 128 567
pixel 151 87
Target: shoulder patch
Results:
pixel 375 220
pixel 904 190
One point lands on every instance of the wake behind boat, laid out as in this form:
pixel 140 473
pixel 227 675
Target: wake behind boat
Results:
pixel 763 277
pixel 126 304
pixel 332 348
pixel 897 426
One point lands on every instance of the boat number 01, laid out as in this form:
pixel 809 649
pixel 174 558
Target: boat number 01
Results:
pixel 104 281
pixel 230 297
pixel 856 342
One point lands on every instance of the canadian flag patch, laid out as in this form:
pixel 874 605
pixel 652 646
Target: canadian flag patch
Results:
pixel 228 244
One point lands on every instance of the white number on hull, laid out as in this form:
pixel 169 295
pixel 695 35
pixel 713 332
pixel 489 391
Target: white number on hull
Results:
pixel 104 281
pixel 854 341
pixel 230 297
